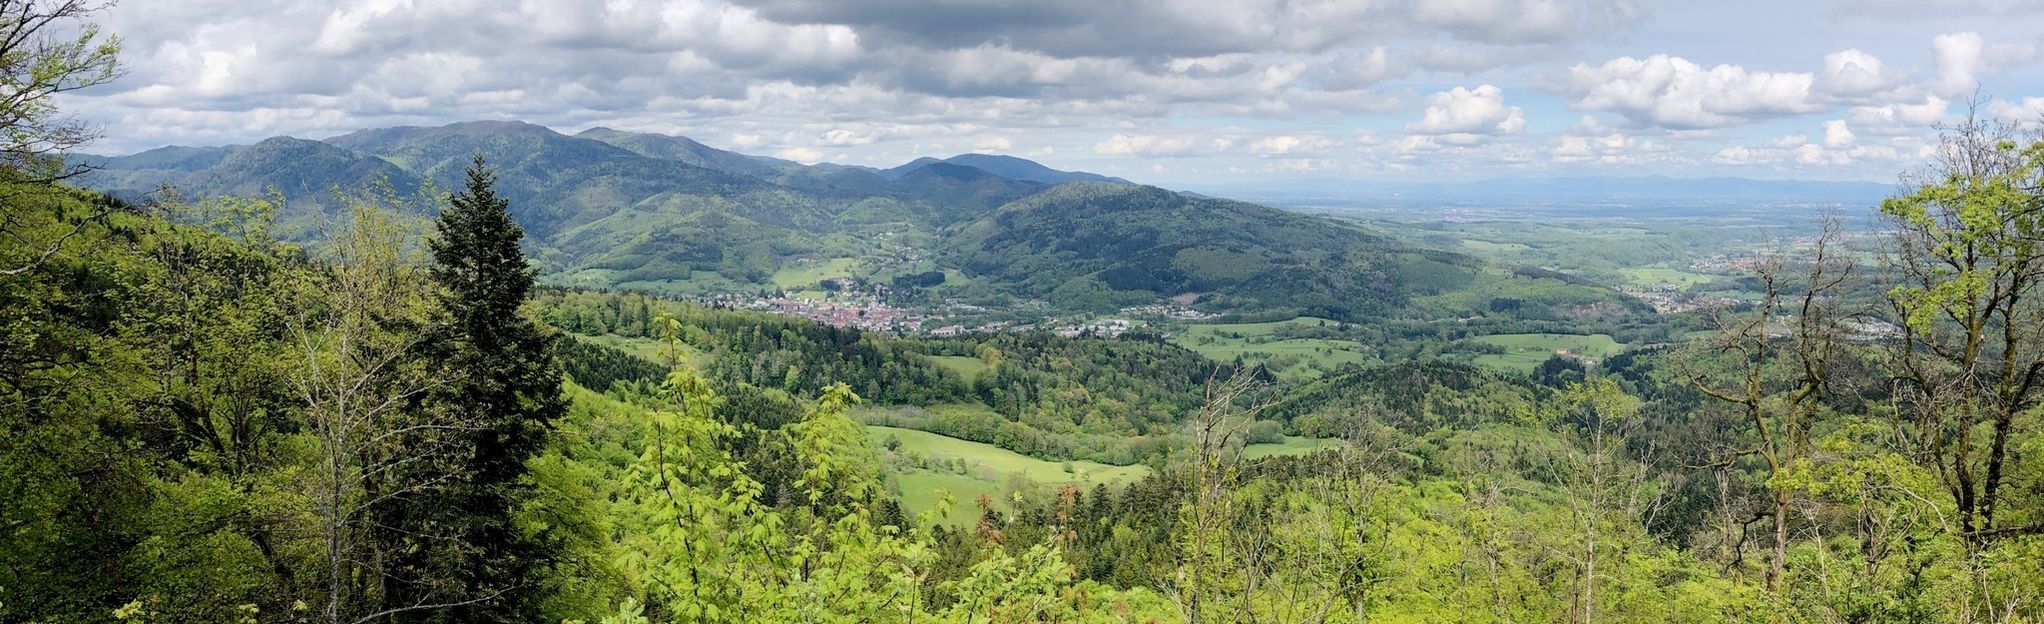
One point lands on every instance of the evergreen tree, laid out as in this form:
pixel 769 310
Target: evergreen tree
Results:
pixel 503 391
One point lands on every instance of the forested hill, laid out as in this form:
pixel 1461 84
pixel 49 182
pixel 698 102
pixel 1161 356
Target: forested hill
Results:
pixel 1103 245
pixel 612 209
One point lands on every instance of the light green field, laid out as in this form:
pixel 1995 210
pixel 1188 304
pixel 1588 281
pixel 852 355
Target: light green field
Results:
pixel 648 349
pixel 965 365
pixel 1256 344
pixel 920 491
pixel 807 275
pixel 1524 352
pixel 1663 276
pixel 1250 330
pixel 1481 246
pixel 1293 445
pixel 989 471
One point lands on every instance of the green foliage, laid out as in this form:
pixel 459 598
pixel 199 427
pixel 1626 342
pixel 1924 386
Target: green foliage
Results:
pixel 765 350
pixel 1971 373
pixel 51 49
pixel 201 423
pixel 695 541
pixel 500 395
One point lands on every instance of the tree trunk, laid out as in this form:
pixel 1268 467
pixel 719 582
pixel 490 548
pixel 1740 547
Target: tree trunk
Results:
pixel 1776 564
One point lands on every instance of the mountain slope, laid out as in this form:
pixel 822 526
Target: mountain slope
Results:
pixel 1099 246
pixel 297 168
pixel 1023 169
pixel 895 172
pixel 142 172
pixel 686 150
pixel 306 173
pixel 634 211
pixel 959 192
pixel 527 157
pixel 1008 167
pixel 555 182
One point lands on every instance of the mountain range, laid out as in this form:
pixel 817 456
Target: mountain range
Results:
pixel 612 209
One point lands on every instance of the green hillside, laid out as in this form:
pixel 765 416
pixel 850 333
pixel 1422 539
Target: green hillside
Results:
pixel 613 209
pixel 1102 246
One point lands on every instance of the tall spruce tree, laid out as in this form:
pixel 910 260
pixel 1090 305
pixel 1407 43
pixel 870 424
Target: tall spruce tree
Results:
pixel 504 393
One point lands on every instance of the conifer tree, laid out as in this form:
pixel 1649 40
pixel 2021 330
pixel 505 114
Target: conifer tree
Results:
pixel 504 393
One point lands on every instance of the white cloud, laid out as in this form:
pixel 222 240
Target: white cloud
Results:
pixel 1523 21
pixel 1290 146
pixel 1791 141
pixel 1472 112
pixel 1611 148
pixel 1150 145
pixel 1963 59
pixel 1264 86
pixel 1360 69
pixel 1855 73
pixel 1891 154
pixel 1901 117
pixel 800 154
pixel 1673 92
pixel 1837 135
pixel 2028 112
pixel 1417 143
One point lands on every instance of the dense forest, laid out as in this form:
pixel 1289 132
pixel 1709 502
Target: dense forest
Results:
pixel 392 421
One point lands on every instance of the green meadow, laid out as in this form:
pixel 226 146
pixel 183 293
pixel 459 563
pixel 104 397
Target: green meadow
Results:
pixel 1293 445
pixel 965 365
pixel 1266 343
pixel 988 470
pixel 1524 352
pixel 805 276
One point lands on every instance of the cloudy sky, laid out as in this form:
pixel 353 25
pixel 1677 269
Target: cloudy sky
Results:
pixel 1161 91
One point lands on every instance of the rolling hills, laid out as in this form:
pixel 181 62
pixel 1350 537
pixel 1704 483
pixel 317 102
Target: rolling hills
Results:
pixel 613 209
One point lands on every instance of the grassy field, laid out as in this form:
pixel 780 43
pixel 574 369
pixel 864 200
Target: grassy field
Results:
pixel 1652 277
pixel 648 349
pixel 965 365
pixel 1291 358
pixel 1480 246
pixel 1293 445
pixel 802 276
pixel 1523 352
pixel 988 471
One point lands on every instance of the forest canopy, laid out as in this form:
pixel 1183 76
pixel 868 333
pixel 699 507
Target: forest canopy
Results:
pixel 392 421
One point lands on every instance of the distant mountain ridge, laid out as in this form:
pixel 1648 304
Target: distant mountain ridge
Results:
pixel 1005 166
pixel 612 209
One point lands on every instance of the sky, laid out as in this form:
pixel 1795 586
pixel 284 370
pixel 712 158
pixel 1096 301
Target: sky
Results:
pixel 1174 92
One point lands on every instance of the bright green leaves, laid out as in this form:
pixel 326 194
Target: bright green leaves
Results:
pixel 1013 589
pixel 1968 229
pixel 839 464
pixel 1594 401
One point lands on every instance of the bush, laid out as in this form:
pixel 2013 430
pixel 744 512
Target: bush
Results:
pixel 1266 432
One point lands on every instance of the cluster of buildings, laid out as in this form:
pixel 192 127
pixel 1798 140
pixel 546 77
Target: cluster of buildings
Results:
pixel 860 313
pixel 1670 299
pixel 1725 263
pixel 1101 327
pixel 961 329
pixel 1170 311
